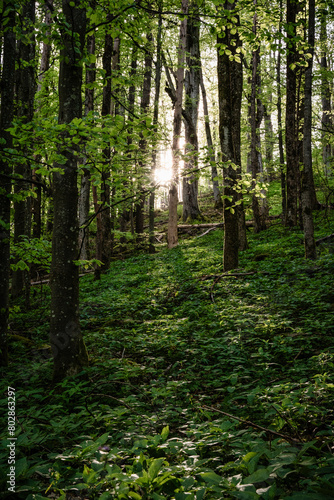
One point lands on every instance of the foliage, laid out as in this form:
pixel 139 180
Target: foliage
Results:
pixel 172 344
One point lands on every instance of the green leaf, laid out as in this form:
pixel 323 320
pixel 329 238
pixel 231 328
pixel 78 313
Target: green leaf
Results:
pixel 211 477
pixel 165 433
pixel 155 468
pixel 257 476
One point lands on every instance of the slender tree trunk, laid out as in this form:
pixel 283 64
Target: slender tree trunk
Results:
pixel 110 62
pixel 36 203
pixel 6 117
pixel 307 174
pixel 279 121
pixel 26 95
pixel 191 209
pixel 326 119
pixel 127 211
pixel 214 173
pixel 68 348
pixel 172 236
pixel 291 130
pixel 144 105
pixel 229 93
pixel 84 199
pixel 256 114
pixel 158 70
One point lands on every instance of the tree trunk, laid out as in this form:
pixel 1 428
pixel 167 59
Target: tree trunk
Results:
pixel 68 348
pixel 84 200
pixel 127 211
pixel 214 174
pixel 144 105
pixel 291 130
pixel 26 95
pixel 229 92
pixel 256 114
pixel 36 203
pixel 6 117
pixel 192 83
pixel 155 123
pixel 326 119
pixel 172 237
pixel 307 174
pixel 279 121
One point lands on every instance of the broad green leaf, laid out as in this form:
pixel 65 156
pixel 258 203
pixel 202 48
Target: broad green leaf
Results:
pixel 257 476
pixel 154 468
pixel 211 477
pixel 165 433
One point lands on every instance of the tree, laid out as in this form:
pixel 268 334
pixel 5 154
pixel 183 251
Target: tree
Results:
pixel 7 106
pixel 291 129
pixel 256 115
pixel 172 236
pixel 229 93
pixel 191 210
pixel 68 348
pixel 26 88
pixel 307 184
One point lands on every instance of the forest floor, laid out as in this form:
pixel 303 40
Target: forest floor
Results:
pixel 201 385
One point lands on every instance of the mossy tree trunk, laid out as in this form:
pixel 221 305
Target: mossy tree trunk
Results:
pixel 68 348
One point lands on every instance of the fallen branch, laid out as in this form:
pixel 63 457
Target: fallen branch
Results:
pixel 248 423
pixel 206 232
pixel 325 238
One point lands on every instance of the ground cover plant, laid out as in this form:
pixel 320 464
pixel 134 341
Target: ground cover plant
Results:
pixel 201 385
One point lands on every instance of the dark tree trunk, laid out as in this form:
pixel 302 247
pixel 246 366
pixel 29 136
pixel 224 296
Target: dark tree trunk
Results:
pixel 307 174
pixel 36 203
pixel 291 130
pixel 144 105
pixel 214 173
pixel 191 209
pixel 172 236
pixel 84 200
pixel 127 210
pixel 326 119
pixel 7 105
pixel 26 95
pixel 279 121
pixel 256 115
pixel 68 348
pixel 158 70
pixel 110 60
pixel 229 93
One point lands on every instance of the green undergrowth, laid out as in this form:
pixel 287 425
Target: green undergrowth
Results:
pixel 201 385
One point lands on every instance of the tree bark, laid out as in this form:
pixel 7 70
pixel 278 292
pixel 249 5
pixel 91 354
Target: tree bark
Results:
pixel 172 237
pixel 326 119
pixel 191 209
pixel 214 173
pixel 230 92
pixel 67 345
pixel 291 130
pixel 26 95
pixel 144 105
pixel 6 117
pixel 279 120
pixel 84 199
pixel 158 70
pixel 307 174
pixel 256 114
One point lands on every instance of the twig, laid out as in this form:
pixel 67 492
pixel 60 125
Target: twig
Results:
pixel 287 421
pixel 206 232
pixel 248 423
